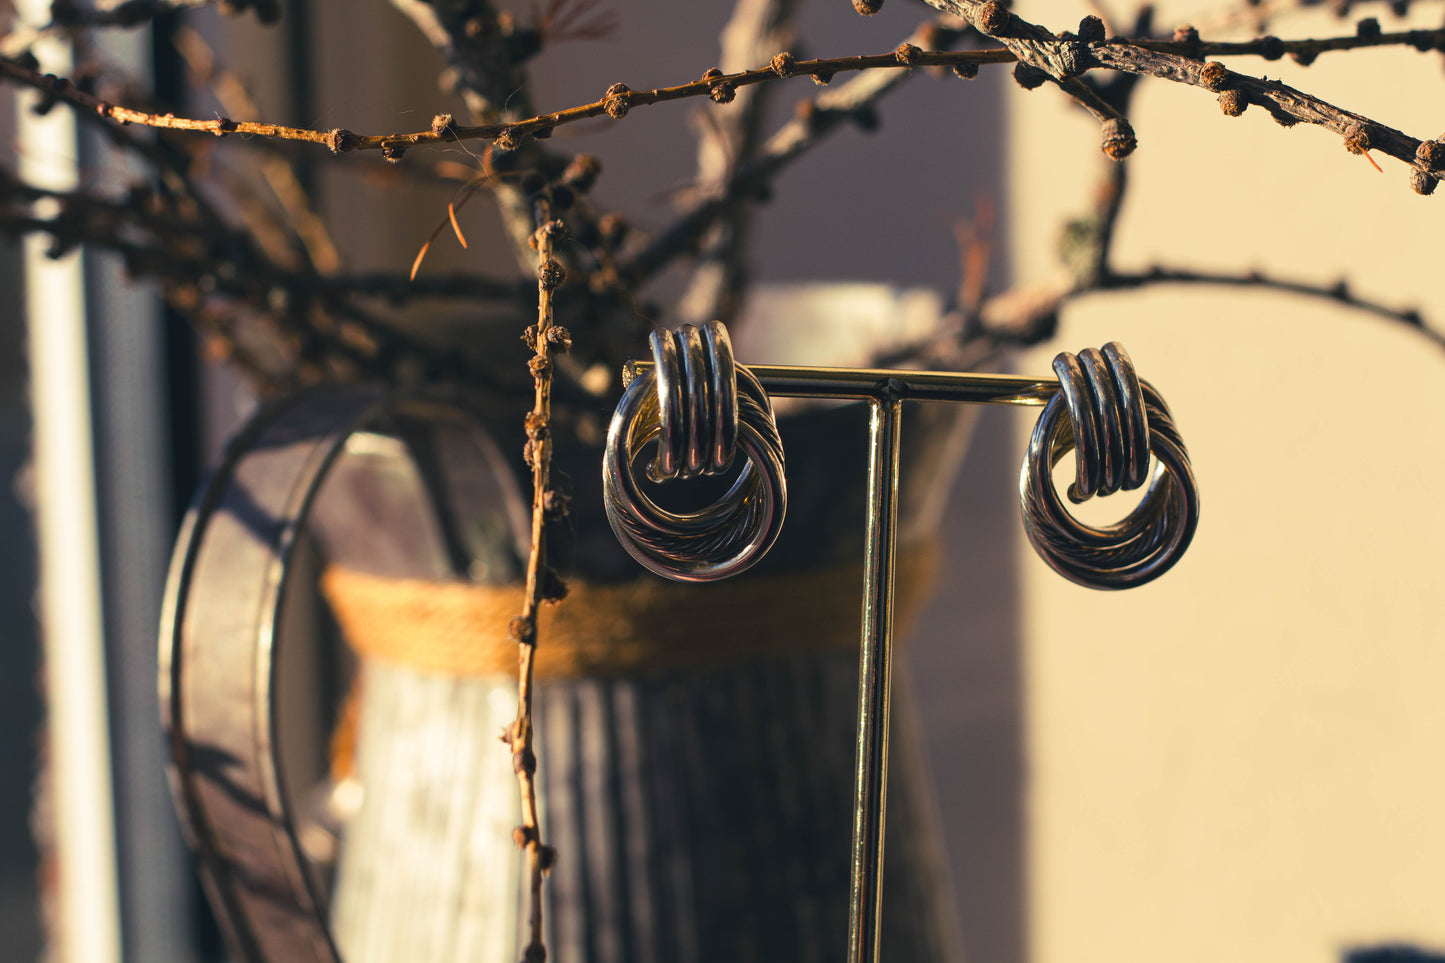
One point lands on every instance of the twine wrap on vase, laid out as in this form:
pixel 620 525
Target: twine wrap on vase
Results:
pixel 645 626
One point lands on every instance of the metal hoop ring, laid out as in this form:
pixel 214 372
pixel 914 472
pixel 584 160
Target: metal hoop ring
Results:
pixel 700 407
pixel 221 646
pixel 1114 422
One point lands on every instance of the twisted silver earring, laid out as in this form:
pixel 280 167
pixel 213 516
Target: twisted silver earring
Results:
pixel 1114 422
pixel 700 407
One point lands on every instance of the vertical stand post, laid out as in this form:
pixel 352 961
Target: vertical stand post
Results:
pixel 875 676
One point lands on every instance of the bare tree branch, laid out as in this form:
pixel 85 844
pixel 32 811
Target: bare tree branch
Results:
pixel 1066 56
pixel 1029 315
pixel 729 138
pixel 615 104
pixel 853 102
pixel 1338 293
pixel 1063 58
pixel 542 584
pixel 280 176
pixel 1256 15
pixel 485 66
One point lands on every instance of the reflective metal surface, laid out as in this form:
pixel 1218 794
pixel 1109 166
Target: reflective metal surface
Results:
pixel 875 680
pixel 1114 422
pixel 700 408
pixel 219 655
pixel 1110 414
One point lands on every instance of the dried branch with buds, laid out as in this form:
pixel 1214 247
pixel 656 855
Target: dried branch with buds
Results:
pixel 543 584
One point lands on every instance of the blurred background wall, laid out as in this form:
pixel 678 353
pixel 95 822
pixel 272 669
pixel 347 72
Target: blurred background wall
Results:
pixel 1240 761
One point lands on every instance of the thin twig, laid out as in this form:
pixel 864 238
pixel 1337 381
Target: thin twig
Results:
pixel 176 243
pixel 1064 58
pixel 1256 15
pixel 340 140
pixel 279 174
pixel 183 248
pixel 1089 247
pixel 1284 103
pixel 541 581
pixel 1029 315
pixel 318 315
pixel 485 68
pixel 852 102
pixel 475 39
pixel 1338 293
pixel 1032 45
pixel 729 138
pixel 1272 47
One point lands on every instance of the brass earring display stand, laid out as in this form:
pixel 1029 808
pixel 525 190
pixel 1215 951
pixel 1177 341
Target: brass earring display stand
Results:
pixel 700 407
pixel 221 636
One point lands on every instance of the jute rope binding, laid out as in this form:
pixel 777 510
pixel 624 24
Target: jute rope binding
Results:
pixel 640 627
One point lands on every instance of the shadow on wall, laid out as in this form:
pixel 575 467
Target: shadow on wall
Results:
pixel 1392 953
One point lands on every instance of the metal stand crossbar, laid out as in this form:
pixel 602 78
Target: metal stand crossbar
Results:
pixel 701 407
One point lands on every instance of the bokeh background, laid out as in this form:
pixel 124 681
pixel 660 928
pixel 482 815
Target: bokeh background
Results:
pixel 1239 761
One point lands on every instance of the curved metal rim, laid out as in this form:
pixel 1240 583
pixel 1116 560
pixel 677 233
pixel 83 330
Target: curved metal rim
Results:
pixel 218 638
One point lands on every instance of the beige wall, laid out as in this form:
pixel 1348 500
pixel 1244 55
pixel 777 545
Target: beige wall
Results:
pixel 1243 760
